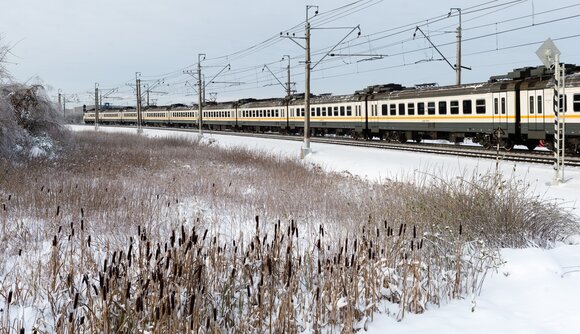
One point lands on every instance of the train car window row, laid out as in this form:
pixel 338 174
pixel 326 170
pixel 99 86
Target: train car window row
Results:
pixel 262 113
pixel 440 108
pixel 335 111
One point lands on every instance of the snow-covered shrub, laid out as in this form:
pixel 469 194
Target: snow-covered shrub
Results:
pixel 29 121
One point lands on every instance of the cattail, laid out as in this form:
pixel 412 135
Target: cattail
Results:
pixel 82 225
pixel 70 317
pixel 80 323
pixel 128 290
pixel 191 304
pixel 89 241
pixel 57 210
pixel 82 213
pixel 412 245
pixel 9 297
pixel 414 231
pixel 20 252
pixel 76 303
pixel 401 229
pixel 204 234
pixel 54 241
pixel 460 229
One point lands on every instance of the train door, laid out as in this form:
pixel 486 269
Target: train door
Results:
pixel 373 120
pixel 500 111
pixel 536 110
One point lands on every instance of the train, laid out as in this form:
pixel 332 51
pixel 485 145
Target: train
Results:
pixel 512 109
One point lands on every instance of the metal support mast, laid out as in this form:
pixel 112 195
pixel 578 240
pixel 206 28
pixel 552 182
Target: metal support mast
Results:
pixel 138 92
pixel 60 100
pixel 458 51
pixel 96 106
pixel 288 91
pixel 550 57
pixel 200 93
pixel 559 119
pixel 306 148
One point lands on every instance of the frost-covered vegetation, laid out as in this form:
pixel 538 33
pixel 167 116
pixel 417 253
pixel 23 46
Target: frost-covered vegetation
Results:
pixel 120 233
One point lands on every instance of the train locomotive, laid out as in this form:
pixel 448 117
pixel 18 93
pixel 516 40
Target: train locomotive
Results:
pixel 512 109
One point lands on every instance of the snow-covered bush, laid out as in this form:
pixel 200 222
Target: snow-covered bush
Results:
pixel 29 121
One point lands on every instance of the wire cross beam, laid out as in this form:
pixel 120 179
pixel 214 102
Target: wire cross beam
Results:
pixel 437 49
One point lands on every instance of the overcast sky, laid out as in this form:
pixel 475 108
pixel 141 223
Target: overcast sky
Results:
pixel 71 44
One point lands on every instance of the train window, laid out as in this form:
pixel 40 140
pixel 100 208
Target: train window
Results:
pixel 503 105
pixel 318 111
pixel 576 102
pixel 495 106
pixel 341 110
pixel 454 107
pixel 401 109
pixel 385 109
pixel 531 105
pixel 410 109
pixel 564 105
pixel 442 107
pixel 540 105
pixel 323 114
pixel 312 112
pixel 480 106
pixel 348 111
pixel 467 107
pixel 393 109
pixel 335 111
pixel 420 108
pixel 431 108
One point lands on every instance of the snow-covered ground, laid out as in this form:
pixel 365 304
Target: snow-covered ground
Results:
pixel 535 291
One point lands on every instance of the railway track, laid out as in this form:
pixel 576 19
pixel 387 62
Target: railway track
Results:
pixel 540 157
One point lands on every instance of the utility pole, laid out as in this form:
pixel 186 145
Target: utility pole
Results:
pixel 308 67
pixel 199 93
pixel 458 51
pixel 147 91
pixel 59 100
pixel 96 106
pixel 64 107
pixel 288 91
pixel 306 147
pixel 138 92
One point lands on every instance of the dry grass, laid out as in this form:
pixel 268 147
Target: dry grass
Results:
pixel 120 233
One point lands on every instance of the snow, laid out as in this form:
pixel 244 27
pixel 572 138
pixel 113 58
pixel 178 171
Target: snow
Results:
pixel 534 291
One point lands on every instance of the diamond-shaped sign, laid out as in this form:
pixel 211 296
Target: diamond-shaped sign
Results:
pixel 548 53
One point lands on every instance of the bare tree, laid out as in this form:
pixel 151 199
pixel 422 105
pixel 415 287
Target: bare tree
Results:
pixel 4 52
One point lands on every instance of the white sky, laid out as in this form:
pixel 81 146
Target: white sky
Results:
pixel 71 44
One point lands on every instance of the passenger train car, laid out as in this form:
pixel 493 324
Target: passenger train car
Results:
pixel 513 109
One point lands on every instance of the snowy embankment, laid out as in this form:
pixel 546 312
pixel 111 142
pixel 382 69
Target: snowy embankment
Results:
pixel 535 291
